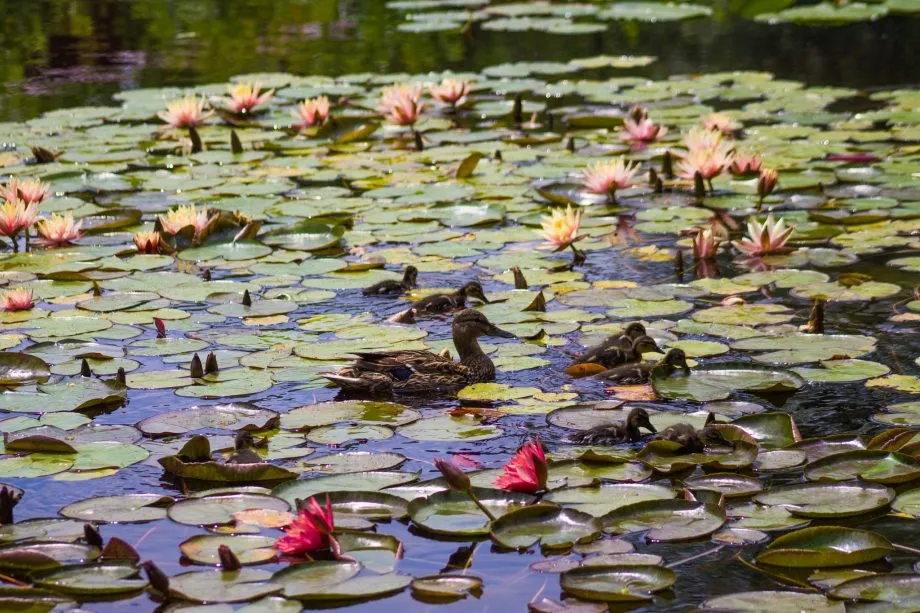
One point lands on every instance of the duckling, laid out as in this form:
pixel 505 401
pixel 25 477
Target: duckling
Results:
pixel 639 372
pixel 443 303
pixel 615 356
pixel 389 287
pixel 692 440
pixel 417 371
pixel 621 341
pixel 243 445
pixel 612 434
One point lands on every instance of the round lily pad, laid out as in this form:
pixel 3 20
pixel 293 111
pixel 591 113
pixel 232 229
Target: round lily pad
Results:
pixel 551 526
pixel 824 546
pixel 618 583
pixel 127 508
pixel 219 508
pixel 665 520
pixel 828 500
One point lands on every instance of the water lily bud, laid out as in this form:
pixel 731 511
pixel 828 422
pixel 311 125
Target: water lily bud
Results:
pixel 247 299
pixel 519 281
pixel 236 146
pixel 228 559
pixel 667 165
pixel 699 187
pixel 456 479
pixel 120 377
pixel 118 550
pixel 210 364
pixel 85 370
pixel 160 326
pixel 97 291
pixel 91 536
pixel 652 177
pixel 158 579
pixel 766 182
pixel 195 369
pixel 193 136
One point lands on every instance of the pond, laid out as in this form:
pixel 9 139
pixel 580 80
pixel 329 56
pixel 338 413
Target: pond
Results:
pixel 741 178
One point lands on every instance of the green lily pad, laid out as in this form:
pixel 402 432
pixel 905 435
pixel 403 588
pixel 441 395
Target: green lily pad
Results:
pixel 92 581
pixel 231 416
pixel 128 508
pixel 828 500
pixel 618 583
pixel 454 514
pixel 249 549
pixel 551 526
pixel 665 520
pixel 825 546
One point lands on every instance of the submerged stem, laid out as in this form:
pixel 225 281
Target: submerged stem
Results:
pixel 479 504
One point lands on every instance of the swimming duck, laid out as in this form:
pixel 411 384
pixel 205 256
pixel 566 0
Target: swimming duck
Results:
pixel 692 440
pixel 627 432
pixel 417 371
pixel 615 355
pixel 639 372
pixel 389 287
pixel 443 303
pixel 243 444
pixel 622 341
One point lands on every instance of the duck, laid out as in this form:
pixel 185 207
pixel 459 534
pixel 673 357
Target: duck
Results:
pixel 616 355
pixel 692 440
pixel 443 303
pixel 420 371
pixel 639 372
pixel 622 341
pixel 390 287
pixel 627 432
pixel 244 453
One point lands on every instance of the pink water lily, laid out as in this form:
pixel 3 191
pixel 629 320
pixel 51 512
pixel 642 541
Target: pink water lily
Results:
pixel 698 139
pixel 30 190
pixel 450 91
pixel 722 122
pixel 147 242
pixel 705 244
pixel 310 531
pixel 560 228
pixel 59 230
pixel 245 97
pixel 400 103
pixel 766 183
pixel 609 176
pixel 745 163
pixel 183 216
pixel 19 299
pixel 16 216
pixel 709 163
pixel 526 472
pixel 765 238
pixel 311 112
pixel 187 112
pixel 641 131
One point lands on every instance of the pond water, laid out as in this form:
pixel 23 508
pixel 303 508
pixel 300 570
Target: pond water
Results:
pixel 345 196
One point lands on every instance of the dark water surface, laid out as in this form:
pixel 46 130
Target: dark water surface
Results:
pixel 59 53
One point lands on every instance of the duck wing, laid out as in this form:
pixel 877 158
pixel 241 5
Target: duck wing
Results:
pixel 418 360
pixel 601 435
pixel 436 303
pixel 384 288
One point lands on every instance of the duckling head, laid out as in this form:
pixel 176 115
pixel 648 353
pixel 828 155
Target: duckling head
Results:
pixel 645 344
pixel 634 331
pixel 639 418
pixel 676 359
pixel 474 290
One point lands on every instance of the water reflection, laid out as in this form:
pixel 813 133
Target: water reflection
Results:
pixel 57 53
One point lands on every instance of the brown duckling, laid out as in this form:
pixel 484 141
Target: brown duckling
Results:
pixel 443 303
pixel 639 372
pixel 627 432
pixel 622 341
pixel 615 356
pixel 244 453
pixel 692 440
pixel 390 287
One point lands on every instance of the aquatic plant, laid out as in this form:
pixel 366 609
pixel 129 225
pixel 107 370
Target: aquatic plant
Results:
pixel 16 216
pixel 526 472
pixel 720 122
pixel 245 97
pixel 766 183
pixel 147 242
pixel 641 131
pixel 450 91
pixel 311 112
pixel 59 230
pixel 181 217
pixel 745 163
pixel 17 299
pixel 765 238
pixel 310 531
pixel 608 176
pixel 700 139
pixel 400 104
pixel 186 112
pixel 705 244
pixel 29 190
pixel 708 163
pixel 560 228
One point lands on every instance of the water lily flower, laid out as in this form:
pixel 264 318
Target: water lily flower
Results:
pixel 311 112
pixel 709 164
pixel 698 139
pixel 745 163
pixel 765 238
pixel 16 216
pixel 560 228
pixel 641 131
pixel 607 177
pixel 245 97
pixel 526 472
pixel 721 122
pixel 187 112
pixel 147 242
pixel 28 190
pixel 450 91
pixel 456 479
pixel 310 531
pixel 183 216
pixel 59 230
pixel 19 299
pixel 766 183
pixel 400 103
pixel 705 244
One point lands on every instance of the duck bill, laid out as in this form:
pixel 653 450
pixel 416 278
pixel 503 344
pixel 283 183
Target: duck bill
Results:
pixel 648 426
pixel 496 331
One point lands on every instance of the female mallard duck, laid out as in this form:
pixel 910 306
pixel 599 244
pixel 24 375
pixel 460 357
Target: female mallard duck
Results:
pixel 692 440
pixel 443 303
pixel 612 434
pixel 389 287
pixel 418 371
pixel 623 341
pixel 639 372
pixel 614 356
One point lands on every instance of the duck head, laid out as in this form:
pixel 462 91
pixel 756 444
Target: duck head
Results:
pixel 645 344
pixel 244 440
pixel 675 359
pixel 470 323
pixel 634 331
pixel 473 289
pixel 638 418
